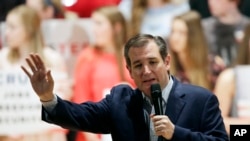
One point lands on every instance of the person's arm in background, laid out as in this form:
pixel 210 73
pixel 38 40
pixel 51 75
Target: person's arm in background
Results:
pixel 225 91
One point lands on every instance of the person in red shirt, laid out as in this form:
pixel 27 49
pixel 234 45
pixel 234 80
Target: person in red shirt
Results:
pixel 101 65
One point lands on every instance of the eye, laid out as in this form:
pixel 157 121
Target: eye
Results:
pixel 153 62
pixel 138 66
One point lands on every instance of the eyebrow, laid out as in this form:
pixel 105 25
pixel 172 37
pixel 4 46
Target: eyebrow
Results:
pixel 138 61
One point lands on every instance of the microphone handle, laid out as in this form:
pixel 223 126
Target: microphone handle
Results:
pixel 158 106
pixel 159 111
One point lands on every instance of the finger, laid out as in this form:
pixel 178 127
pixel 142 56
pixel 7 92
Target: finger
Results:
pixel 160 123
pixel 30 65
pixel 35 61
pixel 38 62
pixel 50 79
pixel 157 117
pixel 152 115
pixel 160 132
pixel 25 70
pixel 159 129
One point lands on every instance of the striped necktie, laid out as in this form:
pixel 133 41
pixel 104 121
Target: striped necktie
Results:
pixel 147 111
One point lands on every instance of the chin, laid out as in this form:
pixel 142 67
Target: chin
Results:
pixel 146 90
pixel 13 47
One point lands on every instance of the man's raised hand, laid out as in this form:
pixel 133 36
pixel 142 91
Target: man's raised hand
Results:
pixel 40 78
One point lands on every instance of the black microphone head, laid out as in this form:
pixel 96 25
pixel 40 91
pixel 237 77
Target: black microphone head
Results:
pixel 157 98
pixel 155 90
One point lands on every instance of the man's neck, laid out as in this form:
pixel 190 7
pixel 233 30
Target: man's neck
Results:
pixel 231 18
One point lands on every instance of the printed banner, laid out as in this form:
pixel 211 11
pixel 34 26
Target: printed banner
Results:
pixel 20 107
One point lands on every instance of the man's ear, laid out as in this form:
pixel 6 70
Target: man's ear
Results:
pixel 167 62
pixel 130 71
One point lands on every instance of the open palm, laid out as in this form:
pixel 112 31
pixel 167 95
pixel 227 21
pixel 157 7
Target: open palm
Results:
pixel 41 79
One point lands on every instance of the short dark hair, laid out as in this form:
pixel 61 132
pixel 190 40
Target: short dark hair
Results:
pixel 142 40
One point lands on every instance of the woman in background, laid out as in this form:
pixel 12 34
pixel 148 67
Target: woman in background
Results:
pixel 51 9
pixel 23 36
pixel 152 16
pixel 233 95
pixel 191 62
pixel 101 65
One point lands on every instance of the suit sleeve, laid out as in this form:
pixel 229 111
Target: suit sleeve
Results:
pixel 212 126
pixel 89 116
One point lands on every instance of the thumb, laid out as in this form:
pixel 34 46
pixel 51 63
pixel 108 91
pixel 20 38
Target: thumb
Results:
pixel 49 76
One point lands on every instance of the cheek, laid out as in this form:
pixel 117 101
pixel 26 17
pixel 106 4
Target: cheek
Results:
pixel 102 29
pixel 103 35
pixel 15 38
pixel 162 70
pixel 136 75
pixel 173 37
pixel 183 41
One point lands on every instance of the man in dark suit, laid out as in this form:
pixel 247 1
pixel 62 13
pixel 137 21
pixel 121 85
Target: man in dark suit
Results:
pixel 191 113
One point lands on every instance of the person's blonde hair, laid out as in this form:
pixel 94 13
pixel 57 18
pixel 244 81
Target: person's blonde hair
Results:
pixel 197 51
pixel 114 16
pixel 30 21
pixel 243 56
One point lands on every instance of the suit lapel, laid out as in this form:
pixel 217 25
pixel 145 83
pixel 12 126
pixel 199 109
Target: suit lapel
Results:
pixel 175 102
pixel 137 116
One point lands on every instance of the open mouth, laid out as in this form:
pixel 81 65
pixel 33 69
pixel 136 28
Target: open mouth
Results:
pixel 149 80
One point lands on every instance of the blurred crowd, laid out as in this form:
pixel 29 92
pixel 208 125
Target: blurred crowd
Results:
pixel 208 40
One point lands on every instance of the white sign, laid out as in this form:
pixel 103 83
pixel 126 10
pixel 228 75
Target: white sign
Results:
pixel 20 108
pixel 243 90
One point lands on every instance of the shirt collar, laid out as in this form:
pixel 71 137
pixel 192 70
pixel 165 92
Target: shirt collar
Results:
pixel 167 89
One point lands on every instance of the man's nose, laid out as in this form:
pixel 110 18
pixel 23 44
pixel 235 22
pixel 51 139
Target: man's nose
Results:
pixel 146 69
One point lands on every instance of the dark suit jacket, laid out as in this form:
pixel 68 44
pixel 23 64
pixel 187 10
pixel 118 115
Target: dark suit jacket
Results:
pixel 194 111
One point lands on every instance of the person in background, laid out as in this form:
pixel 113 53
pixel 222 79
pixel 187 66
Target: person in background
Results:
pixel 84 8
pixel 191 62
pixel 123 112
pixel 152 16
pixel 224 29
pixel 23 36
pixel 230 92
pixel 202 7
pixel 51 9
pixel 101 65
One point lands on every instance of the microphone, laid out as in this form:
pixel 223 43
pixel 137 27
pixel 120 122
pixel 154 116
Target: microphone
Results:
pixel 157 98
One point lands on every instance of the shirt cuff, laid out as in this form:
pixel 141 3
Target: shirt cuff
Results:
pixel 50 105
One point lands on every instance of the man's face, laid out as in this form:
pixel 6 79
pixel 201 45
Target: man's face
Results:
pixel 148 67
pixel 219 8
